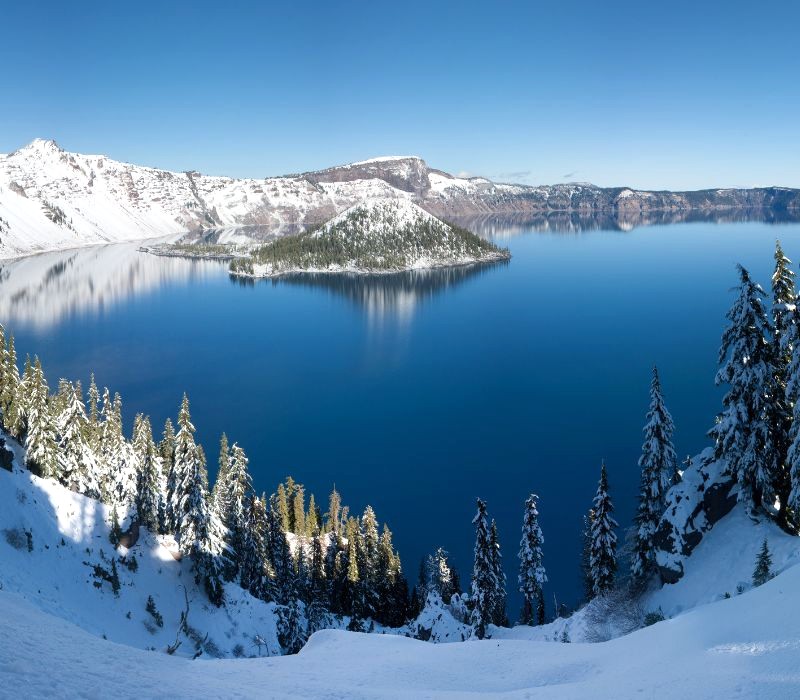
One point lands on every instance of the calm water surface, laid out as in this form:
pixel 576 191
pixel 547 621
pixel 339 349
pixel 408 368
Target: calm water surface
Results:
pixel 416 393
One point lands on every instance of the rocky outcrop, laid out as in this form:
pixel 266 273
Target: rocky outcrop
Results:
pixel 706 494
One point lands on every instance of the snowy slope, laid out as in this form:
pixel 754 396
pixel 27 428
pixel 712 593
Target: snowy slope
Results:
pixel 745 647
pixel 52 570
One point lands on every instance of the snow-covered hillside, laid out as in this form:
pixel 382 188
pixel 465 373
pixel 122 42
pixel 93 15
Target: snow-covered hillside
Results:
pixel 381 235
pixel 52 199
pixel 745 647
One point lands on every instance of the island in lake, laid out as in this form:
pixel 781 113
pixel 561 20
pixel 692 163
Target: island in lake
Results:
pixel 383 235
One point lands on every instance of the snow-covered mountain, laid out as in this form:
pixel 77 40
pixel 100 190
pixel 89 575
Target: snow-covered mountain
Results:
pixel 380 235
pixel 52 199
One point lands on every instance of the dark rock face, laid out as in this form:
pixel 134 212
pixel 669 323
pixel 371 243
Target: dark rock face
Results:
pixel 6 456
pixel 706 494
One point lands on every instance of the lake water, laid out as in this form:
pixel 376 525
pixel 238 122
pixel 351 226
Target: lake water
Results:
pixel 416 393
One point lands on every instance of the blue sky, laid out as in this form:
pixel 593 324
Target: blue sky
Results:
pixel 657 95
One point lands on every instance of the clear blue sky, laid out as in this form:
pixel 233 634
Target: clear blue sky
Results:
pixel 669 94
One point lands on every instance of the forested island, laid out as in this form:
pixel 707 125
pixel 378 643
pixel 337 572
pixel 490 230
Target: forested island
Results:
pixel 387 235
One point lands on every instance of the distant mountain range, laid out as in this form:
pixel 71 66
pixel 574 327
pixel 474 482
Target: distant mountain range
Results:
pixel 52 199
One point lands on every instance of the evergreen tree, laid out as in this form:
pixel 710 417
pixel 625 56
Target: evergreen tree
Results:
pixel 166 448
pixel 312 522
pixel 194 526
pixel 371 540
pixel 763 570
pixel 298 510
pixel 532 576
pixel 218 494
pixel 356 571
pixel 235 491
pixel 253 567
pixel 745 431
pixel 318 594
pixel 40 441
pixel 333 523
pixel 293 633
pixel 586 555
pixel 281 506
pixel 148 476
pixel 77 466
pixel 603 552
pixel 483 580
pixel 9 396
pixel 784 304
pixel 499 595
pixel 441 576
pixel 280 556
pixel 657 465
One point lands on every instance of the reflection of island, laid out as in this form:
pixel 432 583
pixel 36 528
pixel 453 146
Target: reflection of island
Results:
pixel 396 295
pixel 41 289
pixel 507 226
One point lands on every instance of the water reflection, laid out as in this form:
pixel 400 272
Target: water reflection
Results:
pixel 509 225
pixel 41 290
pixel 397 295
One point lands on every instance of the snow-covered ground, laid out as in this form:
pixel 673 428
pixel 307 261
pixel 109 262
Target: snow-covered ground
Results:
pixel 745 647
pixel 90 640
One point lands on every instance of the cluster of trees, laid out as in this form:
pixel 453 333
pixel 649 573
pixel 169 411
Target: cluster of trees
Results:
pixel 312 565
pixel 369 238
pixel 758 431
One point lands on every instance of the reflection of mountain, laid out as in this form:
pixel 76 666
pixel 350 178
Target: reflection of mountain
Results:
pixel 395 295
pixel 41 289
pixel 507 226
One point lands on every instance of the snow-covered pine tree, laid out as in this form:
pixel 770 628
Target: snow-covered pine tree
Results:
pixel 586 552
pixel 281 506
pixel 149 480
pixel 499 595
pixel 333 523
pixel 791 343
pixel 603 552
pixel 41 454
pixel 298 516
pixel 784 302
pixel 9 401
pixel 318 589
pixel 254 567
pixel 532 576
pixel 369 524
pixel 195 531
pixel 763 571
pixel 657 465
pixel 78 466
pixel 218 492
pixel 356 583
pixel 118 464
pixel 279 555
pixel 441 576
pixel 483 581
pixel 293 631
pixel 312 521
pixel 234 493
pixel 744 433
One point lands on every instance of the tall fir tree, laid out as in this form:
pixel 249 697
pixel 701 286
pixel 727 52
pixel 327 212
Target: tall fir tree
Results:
pixel 744 433
pixel 41 454
pixel 499 595
pixel 784 303
pixel 763 571
pixel 790 342
pixel 658 465
pixel 299 510
pixel 483 581
pixel 318 594
pixel 254 568
pixel 78 466
pixel 369 575
pixel 9 397
pixel 235 491
pixel 194 522
pixel 532 576
pixel 149 480
pixel 218 492
pixel 603 552
pixel 586 555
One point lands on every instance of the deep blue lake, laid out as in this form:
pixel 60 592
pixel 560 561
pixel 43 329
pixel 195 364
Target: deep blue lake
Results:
pixel 416 393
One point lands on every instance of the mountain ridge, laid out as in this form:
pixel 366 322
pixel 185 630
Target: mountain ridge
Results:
pixel 52 199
